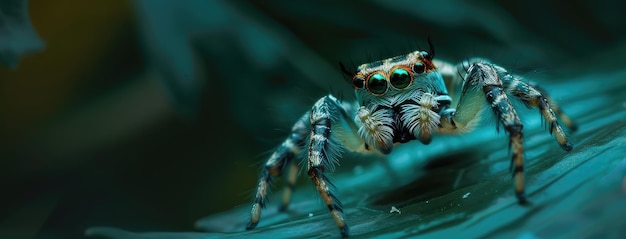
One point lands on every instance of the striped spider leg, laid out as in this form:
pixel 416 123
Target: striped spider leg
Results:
pixel 479 78
pixel 323 150
pixel 280 160
pixel 398 100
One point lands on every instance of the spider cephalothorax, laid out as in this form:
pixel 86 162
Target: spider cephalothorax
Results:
pixel 401 99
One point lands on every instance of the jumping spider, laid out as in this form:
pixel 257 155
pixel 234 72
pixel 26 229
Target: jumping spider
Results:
pixel 402 99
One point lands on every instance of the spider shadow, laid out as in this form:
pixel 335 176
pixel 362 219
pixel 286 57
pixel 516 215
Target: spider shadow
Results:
pixel 439 176
pixel 438 195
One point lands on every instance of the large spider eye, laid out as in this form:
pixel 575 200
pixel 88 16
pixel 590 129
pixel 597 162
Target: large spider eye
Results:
pixel 377 84
pixel 418 67
pixel 358 83
pixel 400 78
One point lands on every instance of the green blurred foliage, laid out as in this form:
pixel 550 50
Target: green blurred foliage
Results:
pixel 17 36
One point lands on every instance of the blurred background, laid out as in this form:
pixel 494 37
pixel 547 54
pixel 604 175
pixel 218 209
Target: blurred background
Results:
pixel 151 114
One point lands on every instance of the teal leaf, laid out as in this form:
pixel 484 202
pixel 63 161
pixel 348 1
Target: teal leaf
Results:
pixel 462 186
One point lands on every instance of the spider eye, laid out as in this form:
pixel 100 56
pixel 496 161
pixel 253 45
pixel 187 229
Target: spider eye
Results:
pixel 400 78
pixel 377 84
pixel 358 83
pixel 418 67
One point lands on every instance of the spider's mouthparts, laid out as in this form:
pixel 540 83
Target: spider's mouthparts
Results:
pixel 403 136
pixel 418 119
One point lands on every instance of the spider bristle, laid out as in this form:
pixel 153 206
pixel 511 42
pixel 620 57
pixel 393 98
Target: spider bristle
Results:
pixel 465 64
pixel 497 114
pixel 431 53
pixel 337 205
pixel 458 71
pixel 552 126
pixel 544 122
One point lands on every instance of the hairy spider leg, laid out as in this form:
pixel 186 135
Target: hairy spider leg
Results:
pixel 482 81
pixel 531 96
pixel 529 93
pixel 332 132
pixel 569 123
pixel 290 185
pixel 276 164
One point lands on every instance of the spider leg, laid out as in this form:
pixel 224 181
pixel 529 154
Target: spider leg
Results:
pixel 332 132
pixel 482 82
pixel 290 185
pixel 528 92
pixel 324 149
pixel 533 96
pixel 569 123
pixel 454 75
pixel 275 165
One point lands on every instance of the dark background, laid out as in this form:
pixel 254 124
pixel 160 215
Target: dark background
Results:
pixel 149 115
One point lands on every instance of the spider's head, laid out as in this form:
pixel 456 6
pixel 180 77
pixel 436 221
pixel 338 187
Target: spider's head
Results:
pixel 396 73
pixel 399 99
pixel 394 80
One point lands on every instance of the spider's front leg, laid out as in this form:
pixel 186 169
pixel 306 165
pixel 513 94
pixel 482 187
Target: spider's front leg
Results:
pixel 331 131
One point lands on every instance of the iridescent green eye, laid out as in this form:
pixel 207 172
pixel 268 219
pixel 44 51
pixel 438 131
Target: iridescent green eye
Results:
pixel 377 84
pixel 400 78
